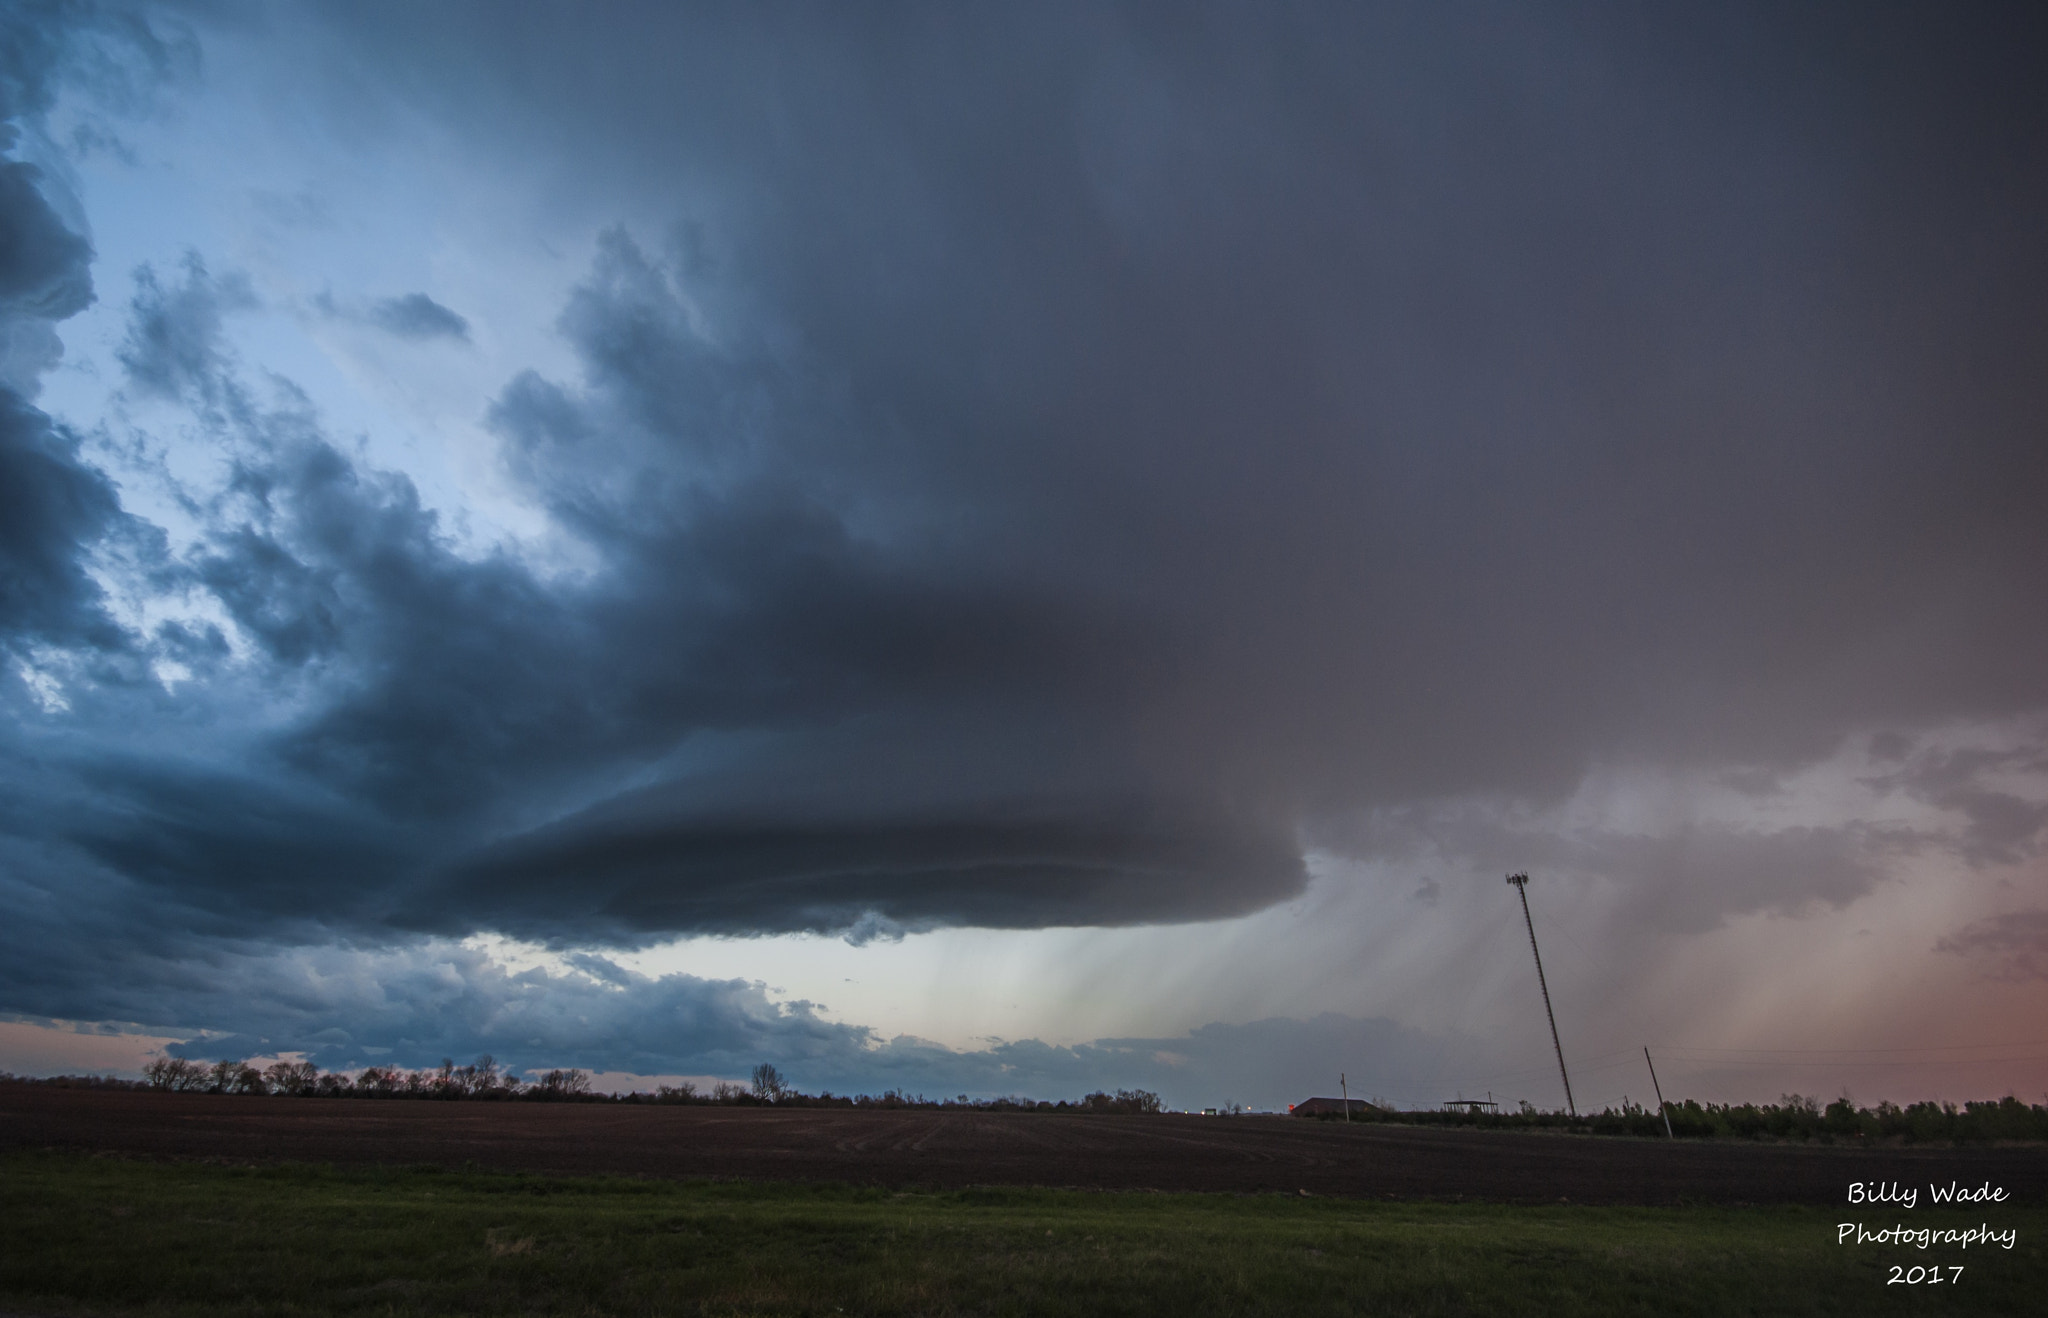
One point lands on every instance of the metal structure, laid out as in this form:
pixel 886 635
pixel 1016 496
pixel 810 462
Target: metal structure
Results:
pixel 1520 883
pixel 1661 1109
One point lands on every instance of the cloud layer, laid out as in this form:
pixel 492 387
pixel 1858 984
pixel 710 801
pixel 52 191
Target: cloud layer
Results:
pixel 412 1004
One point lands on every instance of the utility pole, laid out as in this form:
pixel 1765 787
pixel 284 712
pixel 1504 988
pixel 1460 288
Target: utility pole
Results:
pixel 1520 882
pixel 1661 1109
pixel 1344 1087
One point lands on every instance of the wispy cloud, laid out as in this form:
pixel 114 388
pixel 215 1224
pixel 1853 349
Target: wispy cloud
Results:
pixel 417 316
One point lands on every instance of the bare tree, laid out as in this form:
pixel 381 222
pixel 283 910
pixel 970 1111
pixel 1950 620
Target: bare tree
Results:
pixel 229 1076
pixel 175 1073
pixel 292 1077
pixel 571 1083
pixel 457 1081
pixel 379 1080
pixel 768 1083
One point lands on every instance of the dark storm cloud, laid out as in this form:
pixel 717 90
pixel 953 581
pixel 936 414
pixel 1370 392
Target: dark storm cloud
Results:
pixel 739 605
pixel 655 868
pixel 1058 460
pixel 54 508
pixel 415 1002
pixel 1474 398
pixel 2012 946
pixel 44 267
pixel 1999 827
pixel 45 276
pixel 417 316
pixel 230 841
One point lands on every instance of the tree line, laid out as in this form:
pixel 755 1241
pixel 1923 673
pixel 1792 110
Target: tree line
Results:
pixel 479 1079
pixel 484 1079
pixel 1792 1117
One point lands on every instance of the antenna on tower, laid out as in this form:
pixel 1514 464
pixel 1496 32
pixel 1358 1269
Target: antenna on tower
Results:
pixel 1520 883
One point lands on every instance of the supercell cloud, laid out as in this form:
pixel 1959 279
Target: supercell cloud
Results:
pixel 1023 470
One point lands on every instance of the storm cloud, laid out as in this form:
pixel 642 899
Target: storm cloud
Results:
pixel 54 508
pixel 2013 945
pixel 415 1002
pixel 1058 468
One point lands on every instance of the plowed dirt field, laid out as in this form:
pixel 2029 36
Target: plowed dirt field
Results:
pixel 944 1149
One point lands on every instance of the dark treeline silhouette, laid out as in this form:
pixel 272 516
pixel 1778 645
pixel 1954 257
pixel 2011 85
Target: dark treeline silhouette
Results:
pixel 1793 1117
pixel 479 1080
pixel 484 1080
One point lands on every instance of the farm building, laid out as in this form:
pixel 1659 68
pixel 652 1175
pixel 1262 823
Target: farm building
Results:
pixel 1332 1107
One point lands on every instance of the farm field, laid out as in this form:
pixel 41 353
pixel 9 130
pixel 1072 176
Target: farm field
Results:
pixel 98 1234
pixel 960 1149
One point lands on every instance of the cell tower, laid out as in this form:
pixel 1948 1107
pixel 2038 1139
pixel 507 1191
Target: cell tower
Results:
pixel 1521 886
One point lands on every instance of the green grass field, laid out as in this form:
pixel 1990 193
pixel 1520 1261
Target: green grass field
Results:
pixel 81 1234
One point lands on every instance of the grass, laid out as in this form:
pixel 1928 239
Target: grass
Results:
pixel 85 1234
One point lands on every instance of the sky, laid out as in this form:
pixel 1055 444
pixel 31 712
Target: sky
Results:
pixel 1025 549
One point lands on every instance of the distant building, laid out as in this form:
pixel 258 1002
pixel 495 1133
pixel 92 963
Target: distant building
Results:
pixel 1332 1107
pixel 1475 1106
